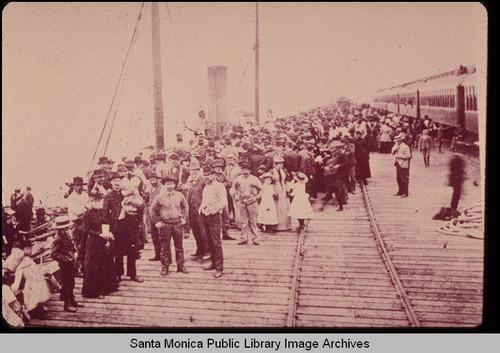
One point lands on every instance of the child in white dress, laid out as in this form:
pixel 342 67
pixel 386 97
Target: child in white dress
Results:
pixel 268 215
pixel 300 208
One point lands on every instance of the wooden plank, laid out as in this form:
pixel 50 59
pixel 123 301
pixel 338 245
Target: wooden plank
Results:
pixel 353 312
pixel 170 311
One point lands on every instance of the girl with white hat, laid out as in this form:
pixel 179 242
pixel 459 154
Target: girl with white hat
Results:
pixel 300 208
pixel 268 216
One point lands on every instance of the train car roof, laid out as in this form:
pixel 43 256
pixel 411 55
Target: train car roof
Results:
pixel 449 79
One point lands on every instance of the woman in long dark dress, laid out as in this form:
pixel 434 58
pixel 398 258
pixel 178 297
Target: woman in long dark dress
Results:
pixel 362 156
pixel 99 277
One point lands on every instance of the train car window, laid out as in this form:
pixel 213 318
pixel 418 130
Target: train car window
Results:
pixel 474 98
pixel 466 93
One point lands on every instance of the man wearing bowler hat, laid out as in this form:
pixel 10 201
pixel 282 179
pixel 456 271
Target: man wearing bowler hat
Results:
pixel 196 183
pixel 213 202
pixel 169 211
pixel 103 166
pixel 76 209
pixel 100 185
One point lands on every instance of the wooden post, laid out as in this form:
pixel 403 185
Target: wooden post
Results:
pixel 257 120
pixel 158 104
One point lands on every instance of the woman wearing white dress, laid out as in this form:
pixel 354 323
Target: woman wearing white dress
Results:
pixel 268 215
pixel 35 290
pixel 300 208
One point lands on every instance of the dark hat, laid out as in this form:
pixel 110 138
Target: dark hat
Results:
pixel 110 161
pixel 138 159
pixel 262 168
pixel 99 173
pixel 103 160
pixel 244 164
pixel 161 156
pixel 114 175
pixel 169 177
pixel 174 157
pixel 207 170
pixel 78 181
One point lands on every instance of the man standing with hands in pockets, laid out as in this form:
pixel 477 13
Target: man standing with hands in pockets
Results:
pixel 402 153
pixel 214 199
pixel 169 211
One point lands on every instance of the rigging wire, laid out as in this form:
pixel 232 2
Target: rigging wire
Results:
pixel 119 97
pixel 118 83
pixel 241 81
pixel 182 57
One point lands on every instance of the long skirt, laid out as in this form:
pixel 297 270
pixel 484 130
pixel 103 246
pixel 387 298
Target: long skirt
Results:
pixel 36 290
pixel 372 144
pixel 300 208
pixel 363 169
pixel 385 146
pixel 100 275
pixel 282 206
pixel 267 212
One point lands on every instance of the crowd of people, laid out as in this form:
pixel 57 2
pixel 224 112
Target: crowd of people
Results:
pixel 256 179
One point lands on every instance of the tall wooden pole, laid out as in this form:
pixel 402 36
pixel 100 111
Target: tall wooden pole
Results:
pixel 257 120
pixel 158 104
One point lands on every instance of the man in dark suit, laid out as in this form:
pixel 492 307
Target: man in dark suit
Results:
pixel 292 158
pixel 125 231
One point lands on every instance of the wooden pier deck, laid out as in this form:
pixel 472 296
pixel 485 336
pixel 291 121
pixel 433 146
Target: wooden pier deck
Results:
pixel 342 280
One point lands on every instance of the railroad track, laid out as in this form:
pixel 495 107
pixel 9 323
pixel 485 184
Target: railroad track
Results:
pixel 383 264
pixel 345 277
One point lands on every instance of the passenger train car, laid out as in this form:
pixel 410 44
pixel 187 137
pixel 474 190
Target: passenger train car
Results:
pixel 448 98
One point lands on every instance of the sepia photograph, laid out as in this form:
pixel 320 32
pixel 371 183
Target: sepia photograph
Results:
pixel 243 165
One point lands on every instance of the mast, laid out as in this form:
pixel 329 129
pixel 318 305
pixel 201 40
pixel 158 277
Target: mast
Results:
pixel 158 104
pixel 257 120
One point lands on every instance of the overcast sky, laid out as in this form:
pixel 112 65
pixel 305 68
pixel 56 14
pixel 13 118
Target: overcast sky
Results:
pixel 61 63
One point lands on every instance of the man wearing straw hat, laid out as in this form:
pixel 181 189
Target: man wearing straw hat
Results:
pixel 63 251
pixel 76 209
pixel 194 197
pixel 402 153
